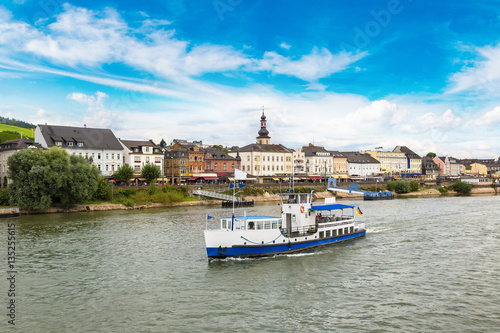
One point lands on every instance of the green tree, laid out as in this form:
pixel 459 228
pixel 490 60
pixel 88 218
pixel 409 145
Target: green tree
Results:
pixel 461 187
pixel 221 148
pixel 391 186
pixel 150 172
pixel 163 144
pixel 414 186
pixel 431 154
pixel 101 192
pixel 124 173
pixel 42 177
pixel 402 186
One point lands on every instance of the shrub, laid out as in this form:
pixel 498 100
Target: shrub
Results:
pixel 442 190
pixel 461 187
pixel 402 186
pixel 391 186
pixel 414 186
pixel 5 197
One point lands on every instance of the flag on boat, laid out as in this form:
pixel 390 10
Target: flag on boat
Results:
pixel 240 175
pixel 232 223
pixel 231 185
pixel 359 212
pixel 209 217
pixel 240 185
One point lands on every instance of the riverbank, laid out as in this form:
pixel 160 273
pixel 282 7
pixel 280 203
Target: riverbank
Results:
pixel 266 197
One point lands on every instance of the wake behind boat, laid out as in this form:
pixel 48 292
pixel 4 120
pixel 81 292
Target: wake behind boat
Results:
pixel 300 226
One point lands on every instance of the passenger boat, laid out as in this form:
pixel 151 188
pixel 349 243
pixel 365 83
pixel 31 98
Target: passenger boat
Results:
pixel 300 226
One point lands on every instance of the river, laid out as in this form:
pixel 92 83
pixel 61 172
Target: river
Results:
pixel 425 264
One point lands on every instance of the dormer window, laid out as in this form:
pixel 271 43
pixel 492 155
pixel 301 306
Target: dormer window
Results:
pixel 80 144
pixel 59 143
pixel 70 144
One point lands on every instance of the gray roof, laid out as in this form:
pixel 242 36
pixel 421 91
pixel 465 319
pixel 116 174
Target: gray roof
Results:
pixel 92 138
pixel 218 154
pixel 17 144
pixel 407 151
pixel 131 144
pixel 265 148
pixel 354 157
pixel 429 164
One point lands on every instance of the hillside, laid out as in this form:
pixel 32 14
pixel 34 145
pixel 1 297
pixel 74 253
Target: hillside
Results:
pixel 9 132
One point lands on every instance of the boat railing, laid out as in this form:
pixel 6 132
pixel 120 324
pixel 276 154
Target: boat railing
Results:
pixel 330 224
pixel 299 231
pixel 328 219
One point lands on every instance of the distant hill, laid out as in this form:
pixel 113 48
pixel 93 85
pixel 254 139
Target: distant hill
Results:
pixel 11 128
pixel 10 132
pixel 15 122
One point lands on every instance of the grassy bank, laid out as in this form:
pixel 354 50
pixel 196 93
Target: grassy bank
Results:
pixel 131 197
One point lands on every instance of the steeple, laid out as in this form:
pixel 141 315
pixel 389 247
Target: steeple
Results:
pixel 263 138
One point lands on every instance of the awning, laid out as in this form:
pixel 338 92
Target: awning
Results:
pixel 330 207
pixel 276 179
pixel 193 178
pixel 315 177
pixel 210 178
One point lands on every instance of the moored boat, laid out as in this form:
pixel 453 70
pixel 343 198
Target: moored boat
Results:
pixel 300 226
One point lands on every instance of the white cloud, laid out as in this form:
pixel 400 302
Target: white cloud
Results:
pixel 488 118
pixel 483 74
pixel 93 102
pixel 285 46
pixel 320 63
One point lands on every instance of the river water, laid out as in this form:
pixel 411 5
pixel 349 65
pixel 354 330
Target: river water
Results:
pixel 425 264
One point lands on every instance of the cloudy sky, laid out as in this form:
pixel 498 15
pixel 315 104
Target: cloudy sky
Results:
pixel 348 75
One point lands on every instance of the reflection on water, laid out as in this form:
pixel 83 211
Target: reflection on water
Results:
pixel 425 264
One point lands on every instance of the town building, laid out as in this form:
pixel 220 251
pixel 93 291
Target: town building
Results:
pixel 265 160
pixel 176 165
pixel 361 165
pixel 319 162
pixel 139 153
pixel 299 158
pixel 390 161
pixel 449 166
pixel 340 165
pixel 220 163
pixel 413 161
pixel 196 156
pixel 9 147
pixel 98 145
pixel 430 170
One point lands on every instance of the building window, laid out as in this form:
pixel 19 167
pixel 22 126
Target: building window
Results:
pixel 99 167
pixel 80 144
pixel 137 159
pixel 59 143
pixel 112 167
pixel 106 167
pixel 107 156
pixel 215 166
pixel 112 156
pixel 147 149
pixel 98 156
pixel 137 169
pixel 70 144
pixel 93 155
pixel 232 167
pixel 224 166
pixel 117 156
pixel 208 166
pixel 147 159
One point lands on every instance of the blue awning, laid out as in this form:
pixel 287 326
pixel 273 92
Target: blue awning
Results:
pixel 330 207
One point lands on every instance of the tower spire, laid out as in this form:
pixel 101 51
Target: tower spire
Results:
pixel 263 137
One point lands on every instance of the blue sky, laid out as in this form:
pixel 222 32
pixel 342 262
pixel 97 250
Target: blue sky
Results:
pixel 348 75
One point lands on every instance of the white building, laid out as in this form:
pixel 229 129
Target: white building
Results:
pixel 264 159
pixel 361 165
pixel 8 148
pixel 390 161
pixel 139 153
pixel 95 144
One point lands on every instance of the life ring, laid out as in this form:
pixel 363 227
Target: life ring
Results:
pixel 302 209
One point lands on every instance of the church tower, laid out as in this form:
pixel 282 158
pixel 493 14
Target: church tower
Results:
pixel 263 138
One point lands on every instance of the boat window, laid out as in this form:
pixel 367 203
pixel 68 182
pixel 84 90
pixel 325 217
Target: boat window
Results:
pixel 224 224
pixel 267 224
pixel 334 232
pixel 352 230
pixel 236 224
pixel 328 233
pixel 251 225
pixel 275 224
pixel 259 225
pixel 321 234
pixel 346 231
pixel 280 223
pixel 340 232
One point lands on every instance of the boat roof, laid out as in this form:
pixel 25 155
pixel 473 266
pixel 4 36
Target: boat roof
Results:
pixel 260 217
pixel 330 207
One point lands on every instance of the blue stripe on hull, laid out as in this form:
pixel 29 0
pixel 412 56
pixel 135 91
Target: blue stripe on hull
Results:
pixel 255 251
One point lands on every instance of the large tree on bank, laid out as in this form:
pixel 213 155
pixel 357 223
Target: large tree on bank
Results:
pixel 42 177
pixel 150 172
pixel 124 173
